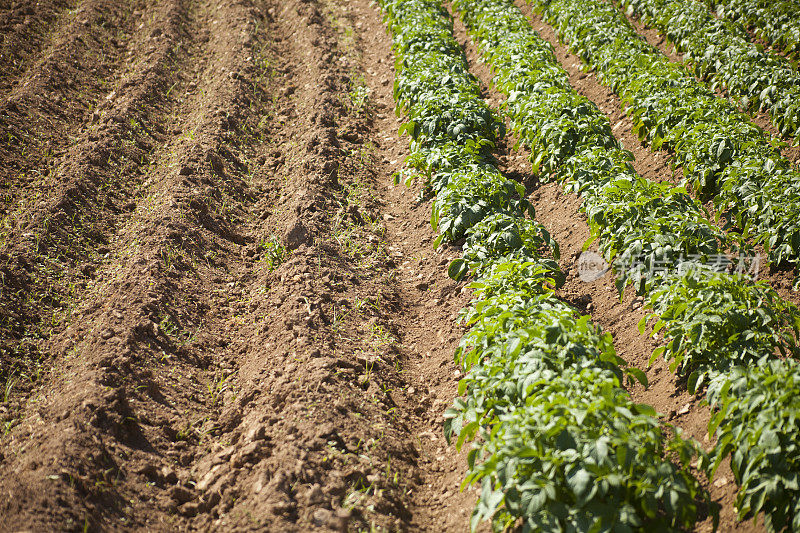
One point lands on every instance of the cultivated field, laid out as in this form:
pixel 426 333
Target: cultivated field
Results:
pixel 347 265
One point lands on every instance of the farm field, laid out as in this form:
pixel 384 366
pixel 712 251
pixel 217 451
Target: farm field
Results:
pixel 399 265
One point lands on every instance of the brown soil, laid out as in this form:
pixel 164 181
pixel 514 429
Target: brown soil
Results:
pixel 164 366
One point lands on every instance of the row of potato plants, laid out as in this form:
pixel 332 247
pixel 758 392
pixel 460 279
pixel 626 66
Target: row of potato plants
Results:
pixel 557 444
pixel 720 329
pixel 722 153
pixel 774 21
pixel 720 51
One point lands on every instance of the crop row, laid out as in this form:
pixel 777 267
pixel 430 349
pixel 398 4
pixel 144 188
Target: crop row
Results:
pixel 718 326
pixel 557 443
pixel 774 21
pixel 720 51
pixel 721 151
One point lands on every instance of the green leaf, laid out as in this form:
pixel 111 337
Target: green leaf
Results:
pixel 639 375
pixel 691 383
pixel 655 355
pixel 457 269
pixel 579 482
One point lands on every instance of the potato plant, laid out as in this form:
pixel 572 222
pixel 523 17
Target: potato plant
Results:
pixel 722 153
pixel 756 424
pixel 717 326
pixel 720 51
pixel 557 443
pixel 773 21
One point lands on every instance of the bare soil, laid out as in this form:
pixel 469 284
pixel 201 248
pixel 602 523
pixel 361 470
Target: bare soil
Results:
pixel 218 311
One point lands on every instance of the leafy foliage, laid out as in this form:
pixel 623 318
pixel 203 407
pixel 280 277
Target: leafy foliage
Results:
pixel 722 153
pixel 756 423
pixel 773 21
pixel 556 441
pixel 720 51
pixel 571 140
pixel 505 238
pixel 560 443
pixel 715 324
pixel 472 194
pixel 577 455
pixel 721 321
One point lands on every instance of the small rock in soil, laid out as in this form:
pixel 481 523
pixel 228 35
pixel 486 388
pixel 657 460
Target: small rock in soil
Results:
pixel 322 517
pixel 260 482
pixel 256 433
pixel 169 476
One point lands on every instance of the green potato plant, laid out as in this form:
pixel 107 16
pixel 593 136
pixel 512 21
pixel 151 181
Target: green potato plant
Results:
pixel 555 440
pixel 718 327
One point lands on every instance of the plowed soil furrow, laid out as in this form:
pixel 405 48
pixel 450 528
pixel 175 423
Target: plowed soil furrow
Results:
pixel 362 440
pixel 26 28
pixel 311 437
pixel 132 316
pixel 48 99
pixel 430 332
pixel 57 233
pixel 258 334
